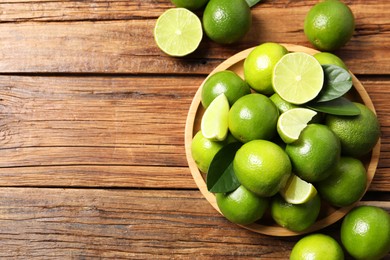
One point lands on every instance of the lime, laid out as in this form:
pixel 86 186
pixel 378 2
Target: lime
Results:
pixel 326 58
pixel 298 77
pixel 314 153
pixel 346 183
pixel 292 122
pixel 358 134
pixel 329 25
pixel 192 5
pixel 253 116
pixel 178 32
pixel 295 217
pixel 365 232
pixel 214 124
pixel 227 21
pixel 298 191
pixel 241 206
pixel 262 167
pixel 281 104
pixel 227 82
pixel 317 246
pixel 203 151
pixel 259 65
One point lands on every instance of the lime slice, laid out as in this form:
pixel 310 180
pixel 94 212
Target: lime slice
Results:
pixel 214 124
pixel 292 122
pixel 298 191
pixel 298 77
pixel 178 32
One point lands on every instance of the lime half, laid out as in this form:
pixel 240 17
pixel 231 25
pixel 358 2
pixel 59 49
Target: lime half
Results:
pixel 214 124
pixel 178 32
pixel 292 122
pixel 298 77
pixel 298 191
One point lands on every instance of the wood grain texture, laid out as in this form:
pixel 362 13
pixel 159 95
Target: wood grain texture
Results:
pixel 82 37
pixel 132 224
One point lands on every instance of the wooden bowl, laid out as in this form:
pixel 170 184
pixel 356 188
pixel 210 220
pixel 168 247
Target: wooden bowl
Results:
pixel 266 225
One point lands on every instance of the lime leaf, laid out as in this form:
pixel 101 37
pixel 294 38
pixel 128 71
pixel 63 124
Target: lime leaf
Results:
pixel 337 82
pixel 339 106
pixel 252 2
pixel 221 177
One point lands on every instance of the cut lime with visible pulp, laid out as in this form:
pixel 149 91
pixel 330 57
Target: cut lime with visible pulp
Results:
pixel 214 124
pixel 292 122
pixel 178 32
pixel 298 191
pixel 298 77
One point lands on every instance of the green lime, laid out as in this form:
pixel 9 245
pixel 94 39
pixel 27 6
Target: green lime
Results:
pixel 298 77
pixel 298 191
pixel 329 25
pixel 192 5
pixel 365 232
pixel 281 104
pixel 178 32
pixel 253 116
pixel 227 21
pixel 259 66
pixel 295 217
pixel 317 247
pixel 227 82
pixel 292 122
pixel 262 167
pixel 358 134
pixel 326 58
pixel 346 183
pixel 314 153
pixel 203 151
pixel 241 206
pixel 214 124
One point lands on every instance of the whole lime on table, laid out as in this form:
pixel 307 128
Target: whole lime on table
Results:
pixel 358 134
pixel 257 169
pixel 227 82
pixel 192 5
pixel 253 116
pixel 241 206
pixel 365 232
pixel 317 246
pixel 329 25
pixel 259 66
pixel 315 152
pixel 227 21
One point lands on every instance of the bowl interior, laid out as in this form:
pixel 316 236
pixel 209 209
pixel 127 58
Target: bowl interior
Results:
pixel 328 214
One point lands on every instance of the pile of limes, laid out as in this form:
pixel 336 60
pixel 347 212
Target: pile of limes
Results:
pixel 179 31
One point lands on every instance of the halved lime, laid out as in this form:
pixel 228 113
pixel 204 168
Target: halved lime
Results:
pixel 214 124
pixel 298 77
pixel 292 122
pixel 178 32
pixel 298 191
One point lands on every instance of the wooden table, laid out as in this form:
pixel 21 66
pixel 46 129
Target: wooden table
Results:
pixel 92 119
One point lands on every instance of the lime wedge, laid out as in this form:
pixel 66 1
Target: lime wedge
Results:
pixel 178 32
pixel 298 191
pixel 298 77
pixel 292 122
pixel 214 124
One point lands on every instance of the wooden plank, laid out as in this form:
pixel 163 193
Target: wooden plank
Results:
pixel 78 223
pixel 106 131
pixel 84 44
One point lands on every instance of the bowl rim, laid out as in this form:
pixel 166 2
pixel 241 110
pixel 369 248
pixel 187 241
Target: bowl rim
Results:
pixel 198 177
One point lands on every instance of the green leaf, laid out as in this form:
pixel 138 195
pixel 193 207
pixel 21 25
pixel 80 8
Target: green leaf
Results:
pixel 337 82
pixel 252 2
pixel 339 106
pixel 221 177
